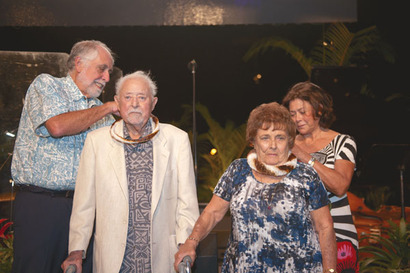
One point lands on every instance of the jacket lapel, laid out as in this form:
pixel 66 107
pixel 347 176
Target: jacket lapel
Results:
pixel 161 158
pixel 117 157
pixel 160 162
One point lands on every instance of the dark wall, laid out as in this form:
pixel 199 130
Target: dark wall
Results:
pixel 223 80
pixel 173 12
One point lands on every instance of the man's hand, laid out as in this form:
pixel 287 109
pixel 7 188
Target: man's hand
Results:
pixel 76 258
pixel 114 108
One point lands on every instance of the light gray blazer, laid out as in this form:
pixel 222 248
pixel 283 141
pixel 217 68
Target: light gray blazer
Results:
pixel 101 193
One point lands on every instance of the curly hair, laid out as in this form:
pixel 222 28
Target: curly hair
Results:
pixel 321 101
pixel 267 114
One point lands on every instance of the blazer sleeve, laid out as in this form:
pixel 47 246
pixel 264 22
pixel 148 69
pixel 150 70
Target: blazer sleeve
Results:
pixel 187 203
pixel 83 212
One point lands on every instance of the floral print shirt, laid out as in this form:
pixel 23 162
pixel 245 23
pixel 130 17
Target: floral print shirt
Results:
pixel 38 158
pixel 272 230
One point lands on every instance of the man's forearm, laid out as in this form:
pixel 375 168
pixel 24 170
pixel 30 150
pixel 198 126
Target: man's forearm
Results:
pixel 72 123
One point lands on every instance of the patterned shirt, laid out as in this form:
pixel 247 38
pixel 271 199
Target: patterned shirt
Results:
pixel 341 147
pixel 139 166
pixel 272 229
pixel 38 158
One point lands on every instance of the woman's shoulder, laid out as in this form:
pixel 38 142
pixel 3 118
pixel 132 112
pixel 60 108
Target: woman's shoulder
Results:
pixel 330 134
pixel 239 163
pixel 343 139
pixel 345 136
pixel 238 168
pixel 335 138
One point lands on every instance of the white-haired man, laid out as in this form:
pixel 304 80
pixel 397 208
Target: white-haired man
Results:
pixel 136 183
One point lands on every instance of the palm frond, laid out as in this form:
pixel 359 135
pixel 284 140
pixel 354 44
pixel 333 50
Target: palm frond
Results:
pixel 333 49
pixel 338 47
pixel 295 52
pixel 230 143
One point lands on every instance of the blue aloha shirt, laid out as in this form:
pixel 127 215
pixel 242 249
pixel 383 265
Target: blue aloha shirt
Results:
pixel 38 158
pixel 272 230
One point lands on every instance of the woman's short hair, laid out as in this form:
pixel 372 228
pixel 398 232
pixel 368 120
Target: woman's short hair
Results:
pixel 321 101
pixel 266 115
pixel 137 75
pixel 87 49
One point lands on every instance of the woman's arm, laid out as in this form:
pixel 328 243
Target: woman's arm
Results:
pixel 323 223
pixel 212 214
pixel 336 181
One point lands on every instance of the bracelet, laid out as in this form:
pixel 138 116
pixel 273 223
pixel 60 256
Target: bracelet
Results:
pixel 311 162
pixel 194 239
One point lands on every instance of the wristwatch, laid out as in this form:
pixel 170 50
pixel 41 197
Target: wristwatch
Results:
pixel 311 162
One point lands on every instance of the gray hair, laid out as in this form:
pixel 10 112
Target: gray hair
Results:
pixel 138 75
pixel 86 50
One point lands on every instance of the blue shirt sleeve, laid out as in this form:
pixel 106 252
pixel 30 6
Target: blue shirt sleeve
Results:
pixel 317 194
pixel 46 99
pixel 229 179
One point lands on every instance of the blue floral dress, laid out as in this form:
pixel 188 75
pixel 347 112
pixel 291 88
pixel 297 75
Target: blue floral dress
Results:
pixel 272 230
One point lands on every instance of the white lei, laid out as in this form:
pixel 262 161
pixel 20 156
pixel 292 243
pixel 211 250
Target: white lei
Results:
pixel 263 168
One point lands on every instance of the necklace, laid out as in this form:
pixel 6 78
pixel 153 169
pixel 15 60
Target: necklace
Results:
pixel 275 171
pixel 121 139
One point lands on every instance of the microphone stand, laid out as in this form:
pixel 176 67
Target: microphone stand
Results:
pixel 192 65
pixel 403 209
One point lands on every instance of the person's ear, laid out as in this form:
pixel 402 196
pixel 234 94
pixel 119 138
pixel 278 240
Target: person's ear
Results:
pixel 117 101
pixel 154 102
pixel 319 111
pixel 79 64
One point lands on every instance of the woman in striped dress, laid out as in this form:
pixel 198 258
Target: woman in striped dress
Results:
pixel 332 155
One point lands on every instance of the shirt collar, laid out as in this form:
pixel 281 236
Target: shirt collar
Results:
pixel 76 93
pixel 146 130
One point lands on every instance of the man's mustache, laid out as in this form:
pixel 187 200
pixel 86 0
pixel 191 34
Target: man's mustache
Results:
pixel 134 111
pixel 101 84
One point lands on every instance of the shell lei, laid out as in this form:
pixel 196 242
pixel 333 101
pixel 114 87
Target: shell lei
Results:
pixel 263 168
pixel 119 138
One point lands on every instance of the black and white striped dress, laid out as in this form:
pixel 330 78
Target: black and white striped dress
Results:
pixel 341 147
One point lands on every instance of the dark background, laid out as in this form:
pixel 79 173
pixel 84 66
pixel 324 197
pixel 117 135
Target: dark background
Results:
pixel 224 82
pixel 173 12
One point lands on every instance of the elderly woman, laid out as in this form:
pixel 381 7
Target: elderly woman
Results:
pixel 332 155
pixel 279 207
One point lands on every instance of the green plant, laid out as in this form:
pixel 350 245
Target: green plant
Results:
pixel 337 47
pixel 391 252
pixel 378 196
pixel 6 247
pixel 230 143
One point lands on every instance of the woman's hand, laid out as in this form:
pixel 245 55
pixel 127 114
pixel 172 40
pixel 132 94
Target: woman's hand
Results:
pixel 336 180
pixel 187 249
pixel 300 154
